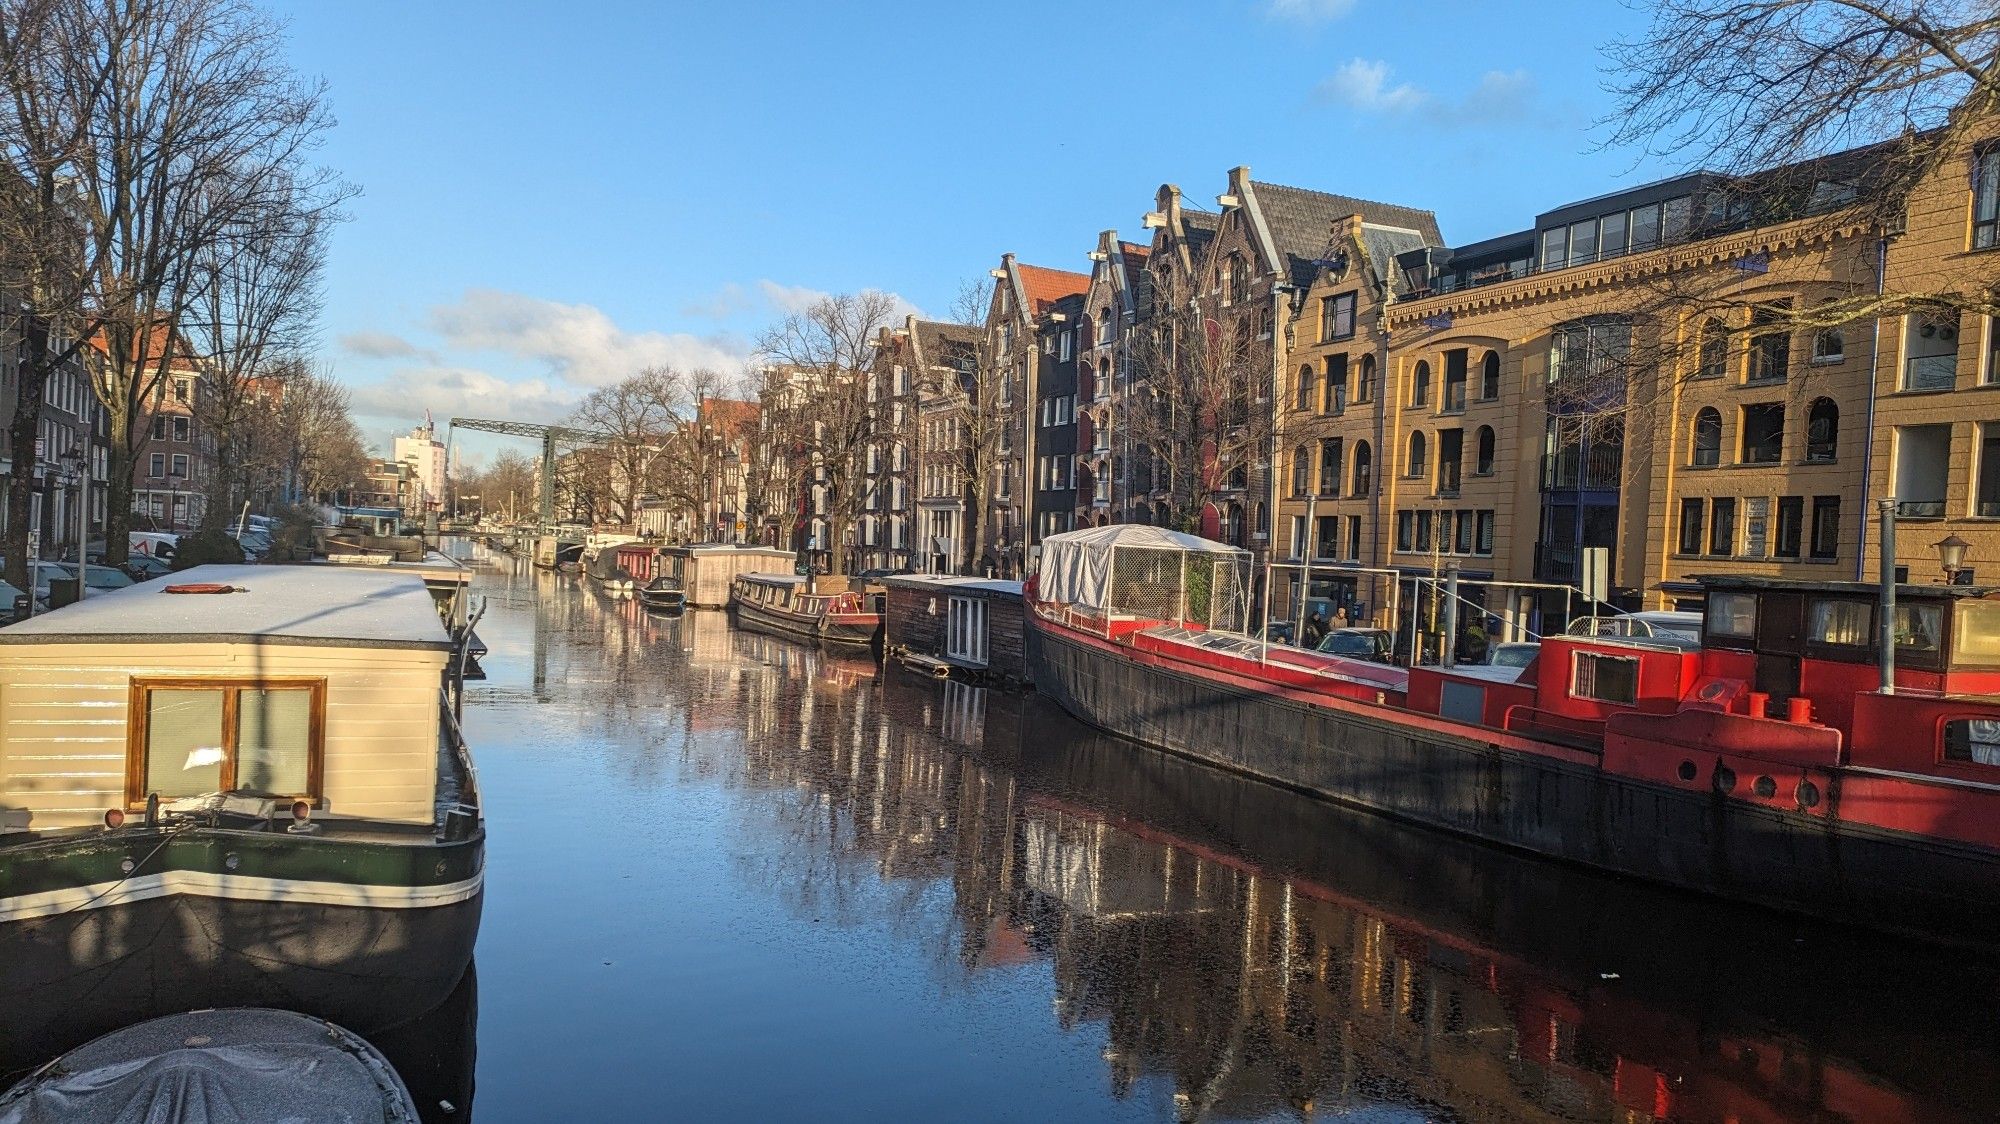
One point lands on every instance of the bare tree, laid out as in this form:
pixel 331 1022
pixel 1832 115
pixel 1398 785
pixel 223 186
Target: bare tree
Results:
pixel 816 406
pixel 322 454
pixel 1200 413
pixel 638 418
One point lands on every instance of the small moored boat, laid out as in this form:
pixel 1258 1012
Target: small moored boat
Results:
pixel 220 1067
pixel 782 604
pixel 663 594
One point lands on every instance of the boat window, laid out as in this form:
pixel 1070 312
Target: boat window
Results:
pixel 1847 623
pixel 196 736
pixel 1605 678
pixel 1732 614
pixel 1972 739
pixel 1919 627
pixel 1975 637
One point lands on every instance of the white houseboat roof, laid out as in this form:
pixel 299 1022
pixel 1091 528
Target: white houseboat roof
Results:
pixel 361 607
pixel 772 579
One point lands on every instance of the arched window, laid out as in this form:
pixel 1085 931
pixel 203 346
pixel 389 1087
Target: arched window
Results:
pixel 1364 468
pixel 1307 384
pixel 1712 360
pixel 1302 465
pixel 1707 437
pixel 1420 384
pixel 1418 463
pixel 1365 391
pixel 1482 464
pixel 1822 430
pixel 1489 376
pixel 1263 518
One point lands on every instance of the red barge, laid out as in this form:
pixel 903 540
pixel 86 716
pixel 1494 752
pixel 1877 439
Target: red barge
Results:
pixel 1767 764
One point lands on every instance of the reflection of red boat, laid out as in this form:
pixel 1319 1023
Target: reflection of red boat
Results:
pixel 1759 765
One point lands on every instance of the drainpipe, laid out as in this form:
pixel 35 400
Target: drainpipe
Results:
pixel 1868 432
pixel 1885 625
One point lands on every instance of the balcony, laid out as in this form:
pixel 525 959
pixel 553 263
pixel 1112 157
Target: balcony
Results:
pixel 1574 469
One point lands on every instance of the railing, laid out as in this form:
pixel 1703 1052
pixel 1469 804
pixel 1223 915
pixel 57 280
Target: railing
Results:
pixel 1931 372
pixel 1572 470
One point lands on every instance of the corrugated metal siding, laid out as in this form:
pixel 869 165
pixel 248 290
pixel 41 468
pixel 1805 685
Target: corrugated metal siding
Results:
pixel 63 710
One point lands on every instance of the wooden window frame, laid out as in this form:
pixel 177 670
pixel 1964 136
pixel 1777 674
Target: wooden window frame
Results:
pixel 138 715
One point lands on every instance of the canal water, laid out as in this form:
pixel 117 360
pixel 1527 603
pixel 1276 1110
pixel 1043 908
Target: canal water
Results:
pixel 732 879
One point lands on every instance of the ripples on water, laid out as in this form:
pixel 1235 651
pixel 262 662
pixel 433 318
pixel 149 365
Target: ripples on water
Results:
pixel 729 878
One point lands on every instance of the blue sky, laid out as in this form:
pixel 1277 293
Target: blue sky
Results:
pixel 557 194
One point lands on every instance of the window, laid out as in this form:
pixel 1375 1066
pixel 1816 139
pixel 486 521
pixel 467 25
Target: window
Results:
pixel 1364 391
pixel 1337 317
pixel 1733 615
pixel 1646 226
pixel 1918 627
pixel 1420 384
pixel 159 427
pixel 1722 528
pixel 1364 466
pixel 1604 678
pixel 1707 449
pixel 1691 523
pixel 1988 499
pixel 1353 537
pixel 965 630
pixel 1482 460
pixel 1791 525
pixel 1583 242
pixel 1418 463
pixel 1462 541
pixel 1423 530
pixel 1555 248
pixel 1922 464
pixel 197 736
pixel 1826 527
pixel 1975 635
pixel 181 389
pixel 1992 372
pixel 1849 624
pixel 1308 388
pixel 1336 383
pixel 1974 740
pixel 1763 433
pixel 1298 536
pixel 1489 377
pixel 1712 350
pixel 1756 526
pixel 1064 353
pixel 1406 530
pixel 1301 470
pixel 158 466
pixel 1454 380
pixel 1770 347
pixel 1930 353
pixel 1329 466
pixel 1829 346
pixel 1328 539
pixel 1986 198
pixel 1483 541
pixel 1451 454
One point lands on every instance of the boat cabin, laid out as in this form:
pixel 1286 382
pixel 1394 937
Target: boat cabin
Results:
pixel 787 594
pixel 973 627
pixel 638 559
pixel 307 683
pixel 708 571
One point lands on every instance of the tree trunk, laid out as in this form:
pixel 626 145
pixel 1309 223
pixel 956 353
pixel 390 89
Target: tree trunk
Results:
pixel 118 501
pixel 23 432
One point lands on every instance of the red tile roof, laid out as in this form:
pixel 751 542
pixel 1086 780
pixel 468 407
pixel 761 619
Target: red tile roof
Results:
pixel 728 414
pixel 1135 250
pixel 1044 287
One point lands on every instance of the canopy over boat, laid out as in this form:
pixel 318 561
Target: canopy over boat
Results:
pixel 1134 569
pixel 221 1067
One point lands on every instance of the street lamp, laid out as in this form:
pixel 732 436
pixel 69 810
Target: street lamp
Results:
pixel 1951 552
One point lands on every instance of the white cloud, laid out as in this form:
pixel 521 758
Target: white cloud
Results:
pixel 1364 85
pixel 788 299
pixel 398 401
pixel 378 345
pixel 1308 11
pixel 577 343
pixel 730 300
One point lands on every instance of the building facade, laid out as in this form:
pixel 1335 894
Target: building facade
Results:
pixel 174 466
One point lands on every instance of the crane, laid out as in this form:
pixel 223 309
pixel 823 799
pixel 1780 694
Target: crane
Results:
pixel 550 436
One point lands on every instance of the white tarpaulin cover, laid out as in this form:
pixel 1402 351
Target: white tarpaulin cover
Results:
pixel 245 1066
pixel 1075 567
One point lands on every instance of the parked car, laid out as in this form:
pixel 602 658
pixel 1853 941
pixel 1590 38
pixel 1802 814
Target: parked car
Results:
pixel 1652 623
pixel 1278 632
pixel 145 567
pixel 1512 654
pixel 1373 644
pixel 98 577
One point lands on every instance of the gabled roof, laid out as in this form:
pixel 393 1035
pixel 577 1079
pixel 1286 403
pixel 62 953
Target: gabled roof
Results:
pixel 1301 220
pixel 1198 230
pixel 1043 286
pixel 728 413
pixel 940 343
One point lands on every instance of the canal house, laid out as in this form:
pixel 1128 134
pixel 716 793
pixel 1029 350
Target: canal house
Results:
pixel 972 628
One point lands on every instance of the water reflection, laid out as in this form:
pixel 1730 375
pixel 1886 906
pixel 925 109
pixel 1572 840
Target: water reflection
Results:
pixel 1229 950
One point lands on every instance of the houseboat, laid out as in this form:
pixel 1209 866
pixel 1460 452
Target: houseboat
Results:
pixel 707 571
pixel 1765 762
pixel 782 604
pixel 244 786
pixel 966 628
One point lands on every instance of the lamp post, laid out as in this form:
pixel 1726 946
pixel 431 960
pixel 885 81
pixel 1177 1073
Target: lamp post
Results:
pixel 74 462
pixel 1951 553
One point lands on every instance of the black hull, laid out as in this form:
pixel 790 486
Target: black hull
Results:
pixel 1817 866
pixel 838 638
pixel 366 969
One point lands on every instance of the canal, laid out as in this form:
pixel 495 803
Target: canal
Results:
pixel 731 879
